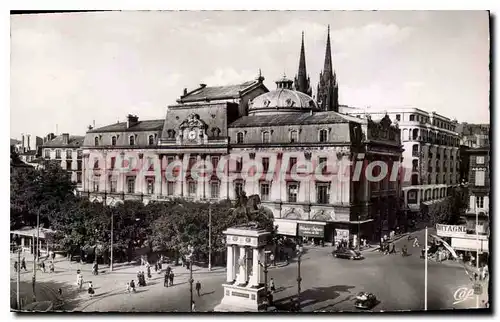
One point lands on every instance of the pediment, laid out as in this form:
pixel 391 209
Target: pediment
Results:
pixel 193 122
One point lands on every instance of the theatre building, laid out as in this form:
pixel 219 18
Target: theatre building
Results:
pixel 236 127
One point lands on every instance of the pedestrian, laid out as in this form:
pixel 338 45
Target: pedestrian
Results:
pixel 15 266
pixel 165 280
pixel 79 280
pixel 156 267
pixel 43 266
pixel 159 265
pixel 271 285
pixel 127 287
pixel 59 290
pixel 198 287
pixel 23 264
pixel 53 255
pixel 139 278
pixel 393 249
pixel 415 242
pixel 404 251
pixel 287 258
pixel 132 286
pixel 51 267
pixel 270 298
pixel 91 290
pixel 148 268
pixel 94 268
pixel 171 277
pixel 193 308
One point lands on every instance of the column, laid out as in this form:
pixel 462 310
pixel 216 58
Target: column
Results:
pixel 419 193
pixel 242 274
pixel 255 278
pixel 230 264
pixel 262 254
pixel 405 192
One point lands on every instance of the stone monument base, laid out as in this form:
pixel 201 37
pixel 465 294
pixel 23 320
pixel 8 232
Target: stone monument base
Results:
pixel 242 299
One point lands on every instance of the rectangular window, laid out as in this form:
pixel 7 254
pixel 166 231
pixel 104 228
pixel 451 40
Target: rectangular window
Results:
pixel 58 154
pixel 479 178
pixel 215 163
pixel 479 160
pixel 79 165
pixel 294 136
pixel 112 184
pixel 480 202
pixel 214 189
pixel 47 154
pixel 112 163
pixel 68 165
pixel 170 188
pixel 293 190
pixel 238 188
pixel 192 188
pixel 398 117
pixel 291 163
pixel 79 154
pixel 69 154
pixel 78 177
pixel 322 164
pixel 150 186
pixel 265 164
pixel 412 117
pixel 239 165
pixel 130 184
pixel 264 191
pixel 322 193
pixel 97 179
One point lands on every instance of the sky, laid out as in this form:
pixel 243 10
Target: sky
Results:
pixel 69 70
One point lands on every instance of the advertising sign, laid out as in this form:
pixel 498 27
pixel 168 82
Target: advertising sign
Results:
pixel 286 227
pixel 451 230
pixel 341 234
pixel 311 230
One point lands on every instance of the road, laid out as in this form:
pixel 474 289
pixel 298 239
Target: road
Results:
pixel 328 284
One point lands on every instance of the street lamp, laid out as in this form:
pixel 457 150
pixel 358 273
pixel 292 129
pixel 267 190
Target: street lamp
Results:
pixel 266 266
pixel 209 236
pixel 359 234
pixel 300 249
pixel 191 280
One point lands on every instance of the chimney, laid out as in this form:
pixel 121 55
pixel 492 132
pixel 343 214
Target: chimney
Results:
pixel 132 120
pixel 90 127
pixel 22 146
pixel 65 137
pixel 185 91
pixel 50 137
pixel 29 147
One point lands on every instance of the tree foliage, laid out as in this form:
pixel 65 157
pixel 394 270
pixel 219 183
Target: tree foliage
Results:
pixel 450 210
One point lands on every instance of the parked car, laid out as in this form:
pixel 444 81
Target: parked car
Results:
pixel 347 253
pixel 365 301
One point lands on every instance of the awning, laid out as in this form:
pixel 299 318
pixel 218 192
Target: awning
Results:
pixel 469 244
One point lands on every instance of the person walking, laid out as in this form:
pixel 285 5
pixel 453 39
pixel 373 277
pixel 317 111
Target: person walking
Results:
pixel 23 264
pixel 272 287
pixel 91 290
pixel 148 269
pixel 132 286
pixel 165 281
pixel 171 277
pixel 198 287
pixel 415 242
pixel 393 249
pixel 15 266
pixel 193 307
pixel 156 267
pixel 43 266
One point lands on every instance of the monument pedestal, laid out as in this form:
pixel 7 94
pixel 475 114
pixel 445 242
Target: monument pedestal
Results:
pixel 244 290
pixel 241 299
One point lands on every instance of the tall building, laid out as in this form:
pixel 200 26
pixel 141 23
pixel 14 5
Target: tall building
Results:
pixel 65 149
pixel 471 136
pixel 231 128
pixel 431 153
pixel 302 80
pixel 328 89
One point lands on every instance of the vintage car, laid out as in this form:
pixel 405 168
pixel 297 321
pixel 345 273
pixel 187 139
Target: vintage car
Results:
pixel 365 301
pixel 347 253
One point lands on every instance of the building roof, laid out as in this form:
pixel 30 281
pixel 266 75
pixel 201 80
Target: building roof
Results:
pixel 204 93
pixel 14 142
pixel 30 152
pixel 470 129
pixel 293 119
pixel 148 125
pixel 283 98
pixel 30 231
pixel 74 141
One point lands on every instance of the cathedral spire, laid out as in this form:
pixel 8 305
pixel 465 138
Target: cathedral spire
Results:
pixel 302 83
pixel 327 95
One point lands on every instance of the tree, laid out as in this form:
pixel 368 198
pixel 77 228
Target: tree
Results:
pixel 449 211
pixel 42 191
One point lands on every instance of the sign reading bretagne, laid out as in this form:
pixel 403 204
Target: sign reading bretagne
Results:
pixel 450 230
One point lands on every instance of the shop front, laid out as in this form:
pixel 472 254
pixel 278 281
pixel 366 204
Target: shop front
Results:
pixel 312 232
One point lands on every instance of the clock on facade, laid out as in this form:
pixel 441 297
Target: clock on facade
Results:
pixel 192 135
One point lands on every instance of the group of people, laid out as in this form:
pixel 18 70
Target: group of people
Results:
pixel 169 277
pixel 23 265
pixel 141 280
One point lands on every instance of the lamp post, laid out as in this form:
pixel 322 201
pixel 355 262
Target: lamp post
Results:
pixel 190 261
pixel 265 266
pixel 35 253
pixel 300 249
pixel 359 234
pixel 111 252
pixel 209 237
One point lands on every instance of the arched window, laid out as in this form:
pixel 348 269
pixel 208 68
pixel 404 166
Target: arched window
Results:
pixel 323 135
pixel 151 140
pixel 429 179
pixel 131 140
pixel 96 141
pixel 415 152
pixel 113 140
pixel 414 179
pixel 266 137
pixel 294 136
pixel 415 134
pixel 239 137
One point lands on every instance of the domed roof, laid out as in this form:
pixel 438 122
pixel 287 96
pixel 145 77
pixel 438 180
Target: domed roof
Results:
pixel 283 99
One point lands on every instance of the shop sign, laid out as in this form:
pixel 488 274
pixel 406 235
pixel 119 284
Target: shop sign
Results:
pixel 286 228
pixel 311 230
pixel 341 234
pixel 450 230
